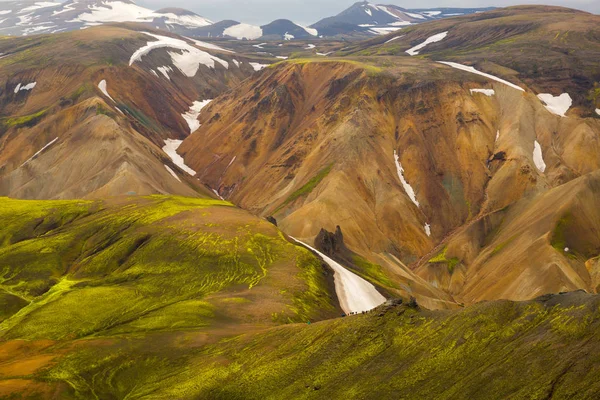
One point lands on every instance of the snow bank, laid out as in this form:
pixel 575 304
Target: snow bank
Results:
pixel 210 46
pixel 417 16
pixel 29 86
pixel 538 159
pixel 188 61
pixel 407 188
pixel 309 46
pixel 258 66
pixel 102 87
pixel 598 111
pixel 474 71
pixel 191 117
pixel 288 36
pixel 170 147
pixel 432 39
pixel 172 172
pixel 487 92
pixel 384 31
pixel 42 149
pixel 244 31
pixel 310 31
pixel 165 71
pixel 427 228
pixel 354 293
pixel 558 105
pixel 394 38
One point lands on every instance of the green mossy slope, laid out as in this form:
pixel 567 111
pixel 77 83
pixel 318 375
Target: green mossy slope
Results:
pixel 73 269
pixel 547 348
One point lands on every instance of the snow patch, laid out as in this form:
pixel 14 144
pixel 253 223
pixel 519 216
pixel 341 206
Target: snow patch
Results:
pixel 538 158
pixel 309 46
pixel 188 61
pixel 598 111
pixel 474 71
pixel 170 148
pixel 432 39
pixel 394 38
pixel 40 151
pixel 172 172
pixel 236 62
pixel 191 117
pixel 368 12
pixel 244 31
pixel 282 57
pixel 288 36
pixel 29 86
pixel 354 293
pixel 102 87
pixel 427 228
pixel 383 31
pixel 209 45
pixel 407 188
pixel 487 92
pixel 165 71
pixel 558 105
pixel 258 66
pixel 417 16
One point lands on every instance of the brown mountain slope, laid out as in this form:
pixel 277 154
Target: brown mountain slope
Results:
pixel 313 142
pixel 550 49
pixel 62 137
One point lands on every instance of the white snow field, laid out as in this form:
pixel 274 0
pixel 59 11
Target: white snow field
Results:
pixel 407 188
pixel 40 151
pixel 258 66
pixel 118 11
pixel 432 39
pixel 191 117
pixel 474 71
pixel 354 293
pixel 244 31
pixel 487 92
pixel 172 172
pixel 170 147
pixel 558 105
pixel 188 61
pixel 102 87
pixel 538 158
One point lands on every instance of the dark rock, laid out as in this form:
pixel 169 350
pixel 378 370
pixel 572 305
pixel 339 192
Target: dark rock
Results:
pixel 272 220
pixel 331 243
pixel 412 303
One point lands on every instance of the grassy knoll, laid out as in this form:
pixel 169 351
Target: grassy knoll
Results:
pixel 74 269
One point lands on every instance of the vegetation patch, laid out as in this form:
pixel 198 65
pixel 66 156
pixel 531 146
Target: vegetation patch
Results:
pixel 441 258
pixel 308 187
pixel 24 120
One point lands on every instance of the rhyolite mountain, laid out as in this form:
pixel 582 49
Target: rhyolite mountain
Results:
pixel 191 218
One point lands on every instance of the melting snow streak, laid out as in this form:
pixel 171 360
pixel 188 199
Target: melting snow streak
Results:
pixel 407 188
pixel 538 159
pixel 171 146
pixel 432 39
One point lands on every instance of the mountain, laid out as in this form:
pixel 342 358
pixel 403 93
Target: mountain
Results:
pixel 286 29
pixel 364 18
pixel 86 113
pixel 29 17
pixel 414 215
pixel 429 168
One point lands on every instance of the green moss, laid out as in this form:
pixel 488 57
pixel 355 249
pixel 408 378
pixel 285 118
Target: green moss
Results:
pixel 145 265
pixel 308 187
pixel 440 258
pixel 24 120
pixel 372 272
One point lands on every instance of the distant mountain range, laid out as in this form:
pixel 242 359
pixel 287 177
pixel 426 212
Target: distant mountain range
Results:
pixel 361 19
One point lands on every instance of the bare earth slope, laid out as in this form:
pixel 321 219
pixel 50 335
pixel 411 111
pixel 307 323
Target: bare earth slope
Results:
pixel 314 143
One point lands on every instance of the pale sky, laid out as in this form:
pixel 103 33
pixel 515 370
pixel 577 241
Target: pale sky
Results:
pixel 308 12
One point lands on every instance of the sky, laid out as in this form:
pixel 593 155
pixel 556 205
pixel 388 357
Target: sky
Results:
pixel 307 12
